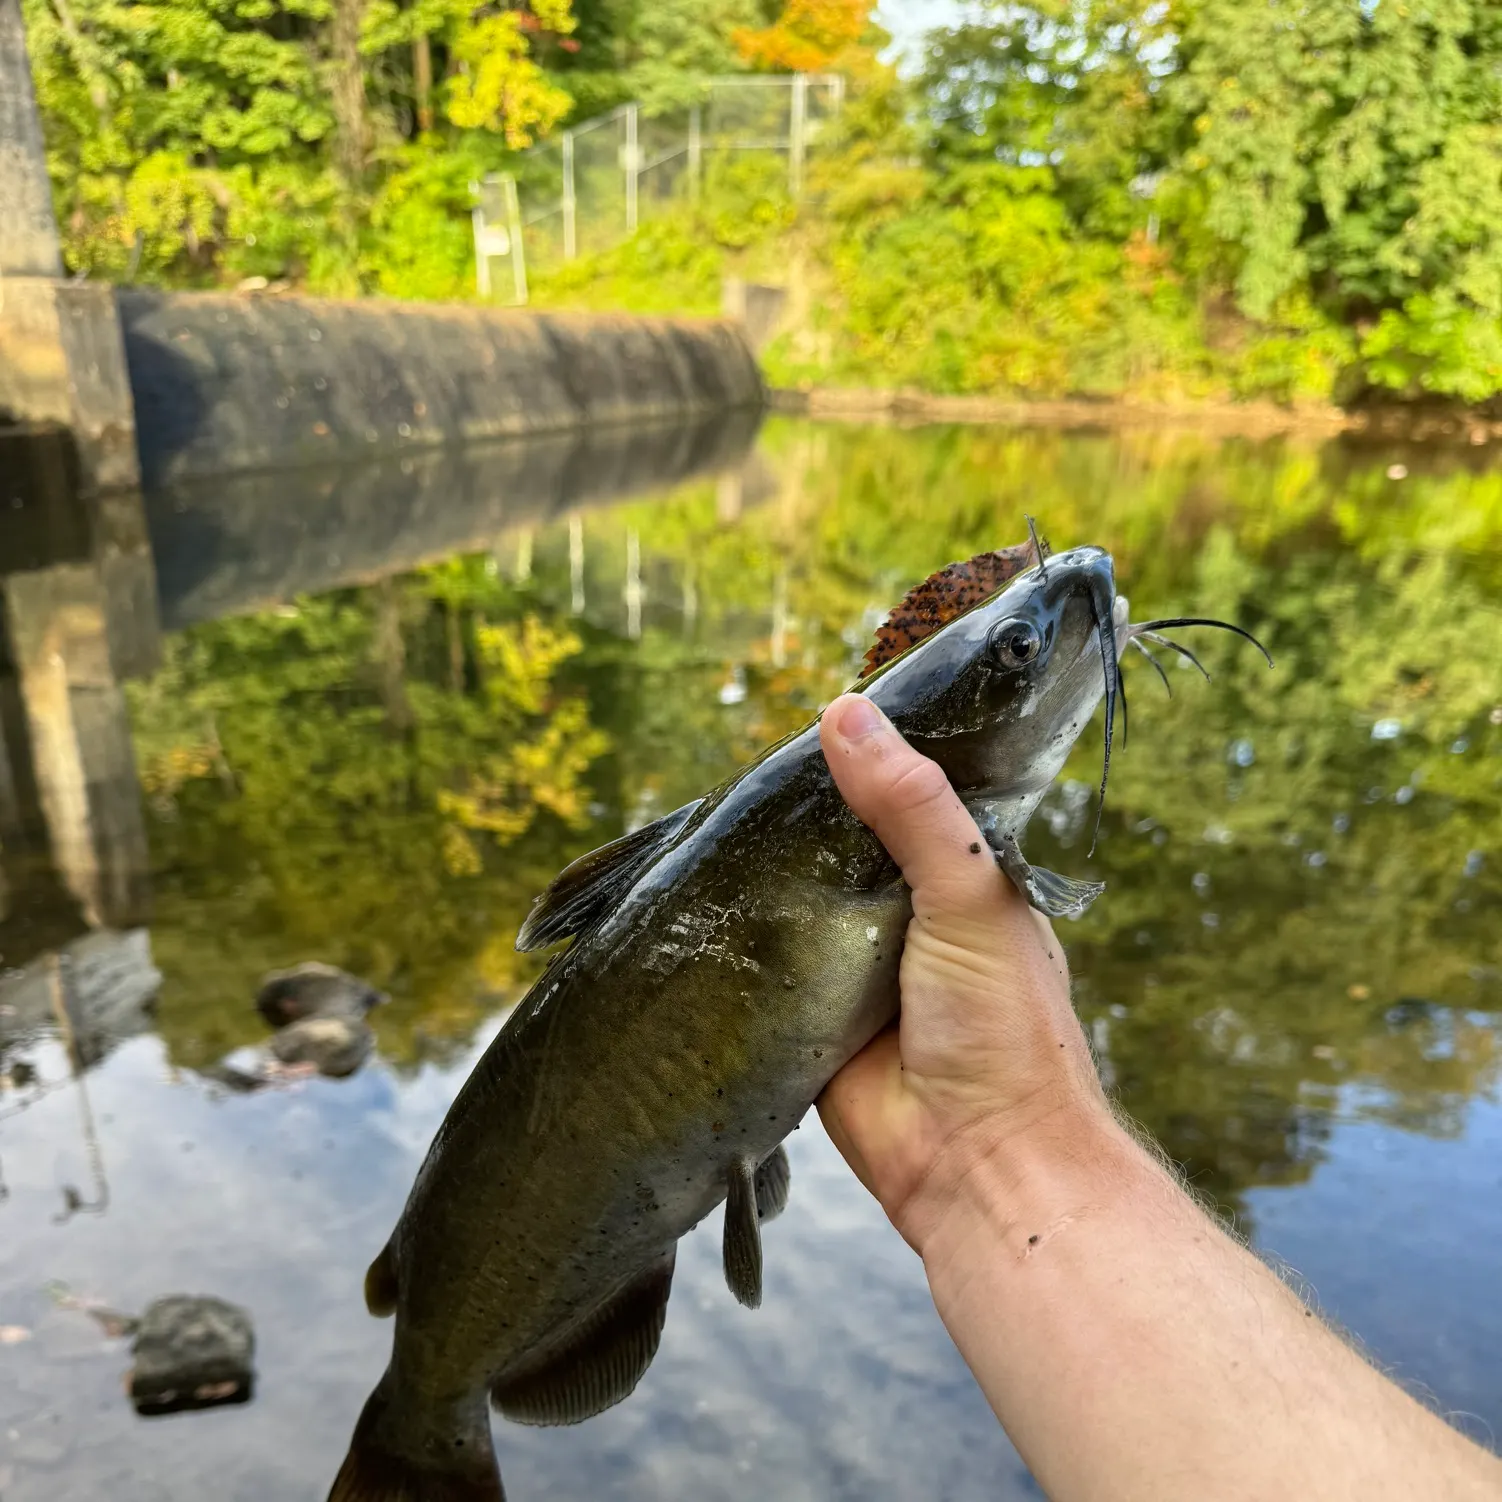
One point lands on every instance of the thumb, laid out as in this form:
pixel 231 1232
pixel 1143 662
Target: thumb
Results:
pixel 908 803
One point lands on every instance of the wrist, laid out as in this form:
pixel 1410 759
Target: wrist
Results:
pixel 1008 1188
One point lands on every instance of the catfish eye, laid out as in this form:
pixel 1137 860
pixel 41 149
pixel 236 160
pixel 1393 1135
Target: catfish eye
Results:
pixel 1014 644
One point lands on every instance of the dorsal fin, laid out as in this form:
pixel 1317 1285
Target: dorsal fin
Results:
pixel 945 595
pixel 581 892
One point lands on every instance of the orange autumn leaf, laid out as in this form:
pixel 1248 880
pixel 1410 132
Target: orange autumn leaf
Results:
pixel 807 37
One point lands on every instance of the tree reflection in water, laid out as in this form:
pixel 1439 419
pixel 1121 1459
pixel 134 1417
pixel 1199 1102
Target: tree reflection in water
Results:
pixel 1303 902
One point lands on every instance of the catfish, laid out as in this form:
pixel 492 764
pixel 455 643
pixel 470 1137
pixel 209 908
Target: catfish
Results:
pixel 725 962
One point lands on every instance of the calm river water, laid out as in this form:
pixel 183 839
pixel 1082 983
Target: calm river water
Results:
pixel 1294 979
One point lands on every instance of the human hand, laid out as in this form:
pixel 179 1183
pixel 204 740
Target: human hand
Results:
pixel 988 1058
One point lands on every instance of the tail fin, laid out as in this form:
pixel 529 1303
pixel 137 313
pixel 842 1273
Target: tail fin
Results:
pixel 384 1463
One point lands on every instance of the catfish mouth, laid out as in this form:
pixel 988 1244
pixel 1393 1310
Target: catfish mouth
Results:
pixel 1115 632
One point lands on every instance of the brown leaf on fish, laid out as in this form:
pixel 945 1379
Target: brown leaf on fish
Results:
pixel 944 596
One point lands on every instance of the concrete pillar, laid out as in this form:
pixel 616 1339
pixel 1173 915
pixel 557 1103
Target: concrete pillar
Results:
pixel 28 232
pixel 82 760
pixel 62 359
pixel 78 614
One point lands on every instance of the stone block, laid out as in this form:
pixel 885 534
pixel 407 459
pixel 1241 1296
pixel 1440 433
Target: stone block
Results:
pixel 192 1353
pixel 62 361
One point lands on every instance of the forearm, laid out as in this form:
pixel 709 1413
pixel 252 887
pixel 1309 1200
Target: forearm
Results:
pixel 1133 1350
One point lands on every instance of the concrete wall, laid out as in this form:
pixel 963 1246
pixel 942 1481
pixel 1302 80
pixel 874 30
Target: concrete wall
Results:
pixel 229 383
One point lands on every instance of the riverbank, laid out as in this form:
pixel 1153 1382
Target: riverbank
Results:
pixel 907 407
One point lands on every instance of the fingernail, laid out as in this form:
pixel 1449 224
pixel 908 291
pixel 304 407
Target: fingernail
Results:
pixel 857 717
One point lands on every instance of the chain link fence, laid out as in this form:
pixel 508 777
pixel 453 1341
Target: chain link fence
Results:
pixel 598 183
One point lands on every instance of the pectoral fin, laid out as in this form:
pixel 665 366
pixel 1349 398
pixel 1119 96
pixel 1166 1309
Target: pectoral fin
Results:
pixel 598 1362
pixel 1052 894
pixel 743 1235
pixel 585 890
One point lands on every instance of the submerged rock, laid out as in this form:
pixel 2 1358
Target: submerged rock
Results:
pixel 319 1014
pixel 334 1046
pixel 192 1352
pixel 315 990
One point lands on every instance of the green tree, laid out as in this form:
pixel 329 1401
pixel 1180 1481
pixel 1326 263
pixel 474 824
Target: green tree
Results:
pixel 1351 152
pixel 192 141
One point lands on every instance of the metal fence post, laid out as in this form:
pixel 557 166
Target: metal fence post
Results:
pixel 518 251
pixel 570 242
pixel 482 261
pixel 797 130
pixel 633 167
pixel 576 564
pixel 695 150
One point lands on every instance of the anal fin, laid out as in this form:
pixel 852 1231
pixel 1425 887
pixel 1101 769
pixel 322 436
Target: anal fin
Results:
pixel 1052 894
pixel 742 1245
pixel 598 1362
pixel 773 1178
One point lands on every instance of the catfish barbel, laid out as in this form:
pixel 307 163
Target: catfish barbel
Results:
pixel 726 961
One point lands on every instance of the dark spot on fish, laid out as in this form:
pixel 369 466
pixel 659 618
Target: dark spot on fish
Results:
pixel 975 847
pixel 771 1118
pixel 720 1091
pixel 1032 1240
pixel 818 1053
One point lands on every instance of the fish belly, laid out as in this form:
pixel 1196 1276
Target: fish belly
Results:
pixel 604 1122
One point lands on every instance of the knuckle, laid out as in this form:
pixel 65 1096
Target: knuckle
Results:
pixel 916 785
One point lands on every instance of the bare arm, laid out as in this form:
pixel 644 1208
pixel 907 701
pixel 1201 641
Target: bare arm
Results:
pixel 1131 1349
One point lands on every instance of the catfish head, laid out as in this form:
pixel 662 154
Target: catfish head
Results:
pixel 996 687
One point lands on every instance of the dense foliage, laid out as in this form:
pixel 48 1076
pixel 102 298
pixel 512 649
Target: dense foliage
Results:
pixel 1299 199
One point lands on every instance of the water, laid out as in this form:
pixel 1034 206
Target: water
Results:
pixel 1294 980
